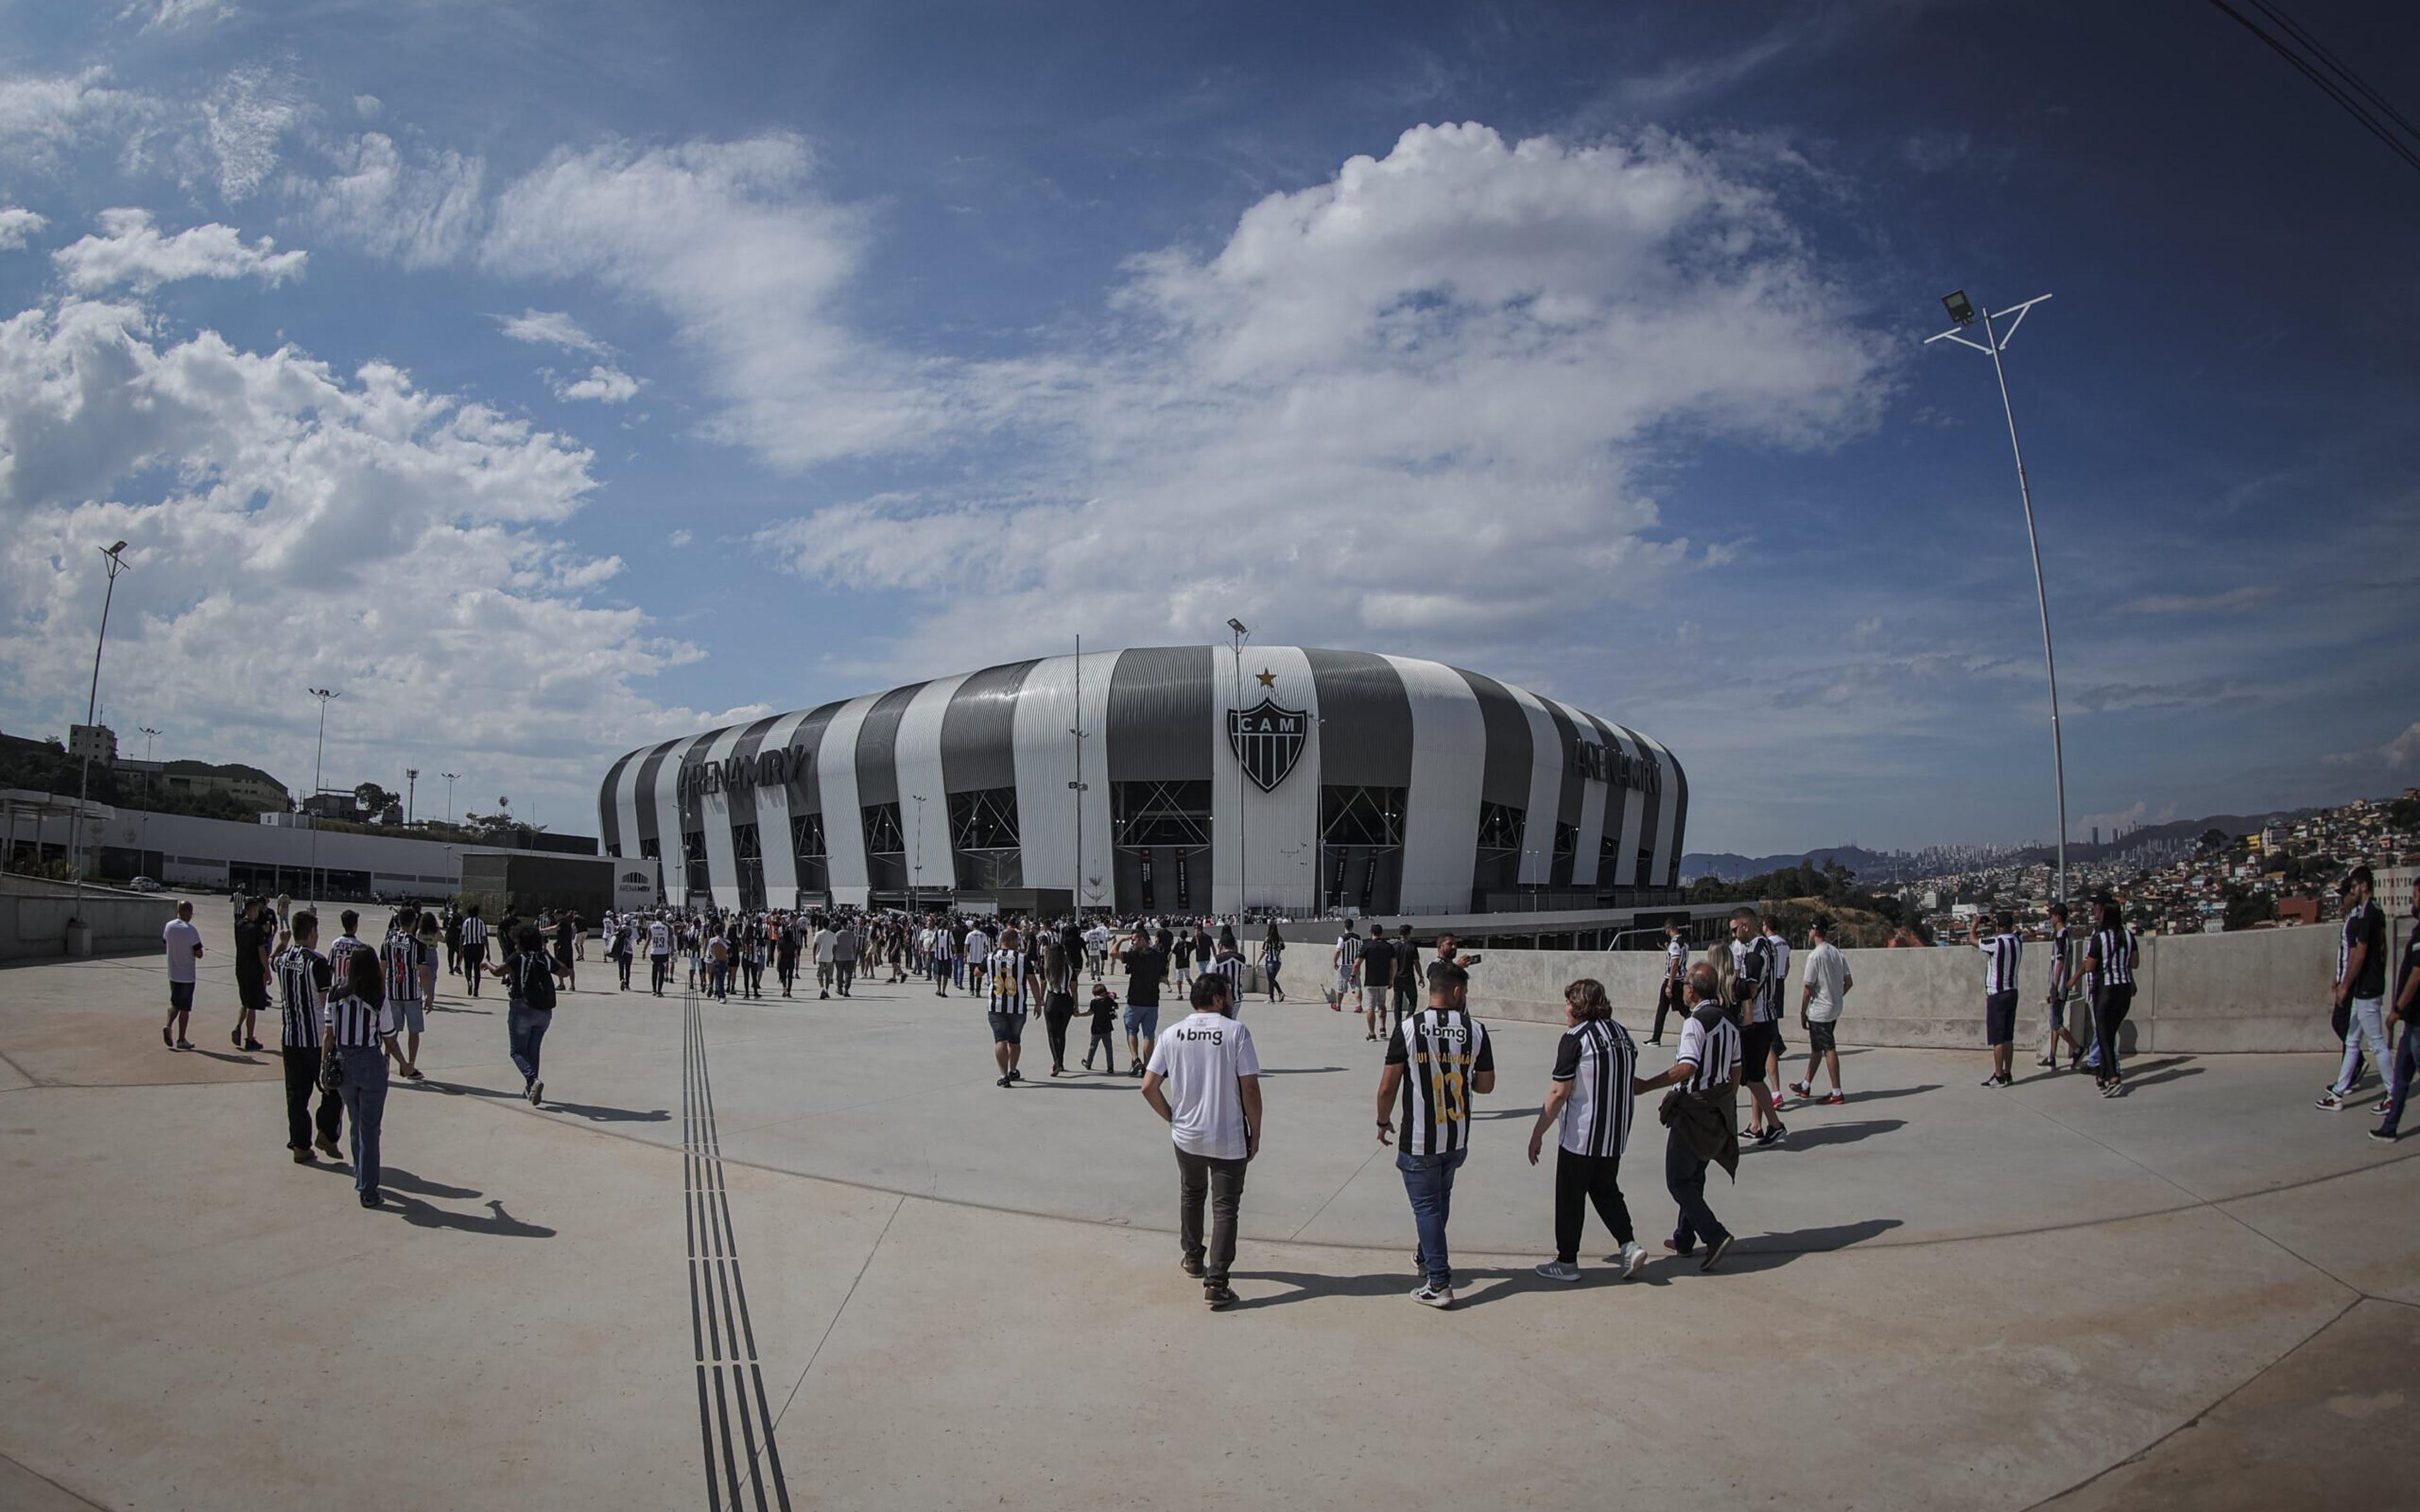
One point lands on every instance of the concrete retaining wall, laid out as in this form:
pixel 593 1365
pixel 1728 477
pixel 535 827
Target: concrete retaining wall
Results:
pixel 2265 990
pixel 33 919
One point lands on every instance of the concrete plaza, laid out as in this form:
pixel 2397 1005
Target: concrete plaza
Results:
pixel 802 1253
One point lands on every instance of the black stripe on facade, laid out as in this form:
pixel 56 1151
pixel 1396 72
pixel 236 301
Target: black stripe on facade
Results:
pixel 643 796
pixel 1506 778
pixel 979 729
pixel 1371 745
pixel 1677 782
pixel 877 746
pixel 1159 719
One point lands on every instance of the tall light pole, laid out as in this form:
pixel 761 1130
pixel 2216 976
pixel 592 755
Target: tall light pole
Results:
pixel 1241 846
pixel 1075 882
pixel 449 777
pixel 115 559
pixel 916 866
pixel 149 735
pixel 323 695
pixel 1964 312
pixel 411 786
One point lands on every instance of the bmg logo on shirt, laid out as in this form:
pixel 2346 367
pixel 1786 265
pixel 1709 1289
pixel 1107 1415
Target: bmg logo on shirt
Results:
pixel 1214 1036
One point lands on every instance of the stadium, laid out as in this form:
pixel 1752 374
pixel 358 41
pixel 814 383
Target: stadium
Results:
pixel 1171 780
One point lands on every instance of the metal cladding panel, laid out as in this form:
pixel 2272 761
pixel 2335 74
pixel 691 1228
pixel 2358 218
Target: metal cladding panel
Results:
pixel 1633 820
pixel 979 731
pixel 878 750
pixel 773 818
pixel 1365 734
pixel 1161 715
pixel 648 819
pixel 609 808
pixel 1248 859
pixel 843 826
pixel 916 760
pixel 1509 768
pixel 1545 796
pixel 1449 770
pixel 1567 739
pixel 1045 711
pixel 668 811
pixel 715 809
pixel 1667 816
pixel 1593 794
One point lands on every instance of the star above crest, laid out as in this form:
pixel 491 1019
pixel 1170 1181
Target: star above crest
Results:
pixel 1268 678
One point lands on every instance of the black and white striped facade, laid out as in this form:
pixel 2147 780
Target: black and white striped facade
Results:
pixel 1390 784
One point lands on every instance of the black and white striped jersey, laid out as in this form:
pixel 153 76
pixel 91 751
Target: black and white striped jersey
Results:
pixel 1231 967
pixel 1754 985
pixel 402 956
pixel 1711 1042
pixel 1008 982
pixel 2115 950
pixel 474 932
pixel 1777 983
pixel 1440 1050
pixel 1348 953
pixel 340 956
pixel 360 1024
pixel 1596 1060
pixel 302 980
pixel 2001 954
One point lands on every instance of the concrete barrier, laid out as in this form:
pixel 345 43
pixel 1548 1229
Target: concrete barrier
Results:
pixel 33 919
pixel 2259 990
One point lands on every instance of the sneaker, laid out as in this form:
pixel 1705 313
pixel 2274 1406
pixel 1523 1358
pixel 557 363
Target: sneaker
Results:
pixel 1219 1296
pixel 2047 1062
pixel 235 1038
pixel 185 1045
pixel 1429 1296
pixel 1192 1267
pixel 1560 1271
pixel 1715 1252
pixel 1002 1082
pixel 167 1038
pixel 304 1157
pixel 1771 1133
pixel 2383 1135
pixel 2379 1107
pixel 538 1093
pixel 251 1045
pixel 2111 1089
pixel 1779 1102
pixel 415 1075
pixel 328 1148
pixel 372 1199
pixel 1836 1100
pixel 1676 1247
pixel 1802 1088
pixel 1016 1076
pixel 1993 1080
pixel 2330 1104
pixel 1634 1255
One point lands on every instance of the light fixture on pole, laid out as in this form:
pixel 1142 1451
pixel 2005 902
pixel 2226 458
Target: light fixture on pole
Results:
pixel 317 767
pixel 1964 312
pixel 115 559
pixel 411 786
pixel 1237 626
pixel 449 777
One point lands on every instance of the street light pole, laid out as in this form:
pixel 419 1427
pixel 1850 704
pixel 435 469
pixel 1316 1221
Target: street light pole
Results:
pixel 149 735
pixel 1242 845
pixel 113 557
pixel 449 777
pixel 323 695
pixel 916 868
pixel 1076 881
pixel 411 786
pixel 1994 342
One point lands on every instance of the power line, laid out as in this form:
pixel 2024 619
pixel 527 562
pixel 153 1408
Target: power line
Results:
pixel 2336 65
pixel 2334 91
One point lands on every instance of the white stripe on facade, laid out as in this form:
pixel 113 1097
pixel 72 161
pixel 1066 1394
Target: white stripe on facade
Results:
pixel 668 816
pixel 1633 817
pixel 1045 754
pixel 626 802
pixel 1592 801
pixel 844 825
pixel 773 819
pixel 1546 789
pixel 1449 764
pixel 714 811
pixel 916 760
pixel 1269 820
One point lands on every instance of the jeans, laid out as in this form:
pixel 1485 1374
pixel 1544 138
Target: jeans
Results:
pixel 301 1076
pixel 2366 1021
pixel 1428 1181
pixel 1222 1182
pixel 844 976
pixel 2109 1009
pixel 2398 1084
pixel 1685 1177
pixel 527 1027
pixel 474 962
pixel 624 960
pixel 364 1095
pixel 1580 1180
pixel 1055 1018
pixel 1667 1000
pixel 659 971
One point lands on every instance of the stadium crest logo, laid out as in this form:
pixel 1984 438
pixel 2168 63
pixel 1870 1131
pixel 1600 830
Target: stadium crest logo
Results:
pixel 1267 740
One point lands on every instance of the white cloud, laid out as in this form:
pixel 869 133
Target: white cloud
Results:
pixel 732 240
pixel 2400 754
pixel 294 525
pixel 162 15
pixel 679 538
pixel 42 119
pixel 2251 595
pixel 551 328
pixel 243 120
pixel 368 106
pixel 16 224
pixel 605 384
pixel 1462 360
pixel 130 252
pixel 420 212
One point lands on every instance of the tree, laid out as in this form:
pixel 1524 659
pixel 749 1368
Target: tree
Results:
pixel 2245 908
pixel 370 798
pixel 2214 841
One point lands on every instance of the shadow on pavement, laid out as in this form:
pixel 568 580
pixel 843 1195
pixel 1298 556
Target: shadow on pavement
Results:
pixel 1887 1094
pixel 1472 1287
pixel 1767 1252
pixel 1803 1137
pixel 1299 1070
pixel 396 1182
pixel 593 1113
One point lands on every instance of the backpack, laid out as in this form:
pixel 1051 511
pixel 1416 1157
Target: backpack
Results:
pixel 538 990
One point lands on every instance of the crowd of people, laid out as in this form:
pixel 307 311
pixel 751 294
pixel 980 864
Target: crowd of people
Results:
pixel 353 1015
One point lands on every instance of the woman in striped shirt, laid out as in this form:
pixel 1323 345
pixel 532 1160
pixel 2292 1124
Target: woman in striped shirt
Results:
pixel 2109 965
pixel 356 1036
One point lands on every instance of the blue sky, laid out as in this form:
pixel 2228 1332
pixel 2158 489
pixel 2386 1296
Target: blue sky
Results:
pixel 556 377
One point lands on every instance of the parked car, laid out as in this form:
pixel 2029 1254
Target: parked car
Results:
pixel 143 885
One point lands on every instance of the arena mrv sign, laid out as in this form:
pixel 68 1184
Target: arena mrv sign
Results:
pixel 740 774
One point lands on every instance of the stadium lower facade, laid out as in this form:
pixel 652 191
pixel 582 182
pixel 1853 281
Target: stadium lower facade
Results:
pixel 1166 779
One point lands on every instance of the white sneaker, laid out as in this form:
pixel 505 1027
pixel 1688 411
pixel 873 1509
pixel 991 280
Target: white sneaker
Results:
pixel 1558 1271
pixel 1634 1255
pixel 1428 1296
